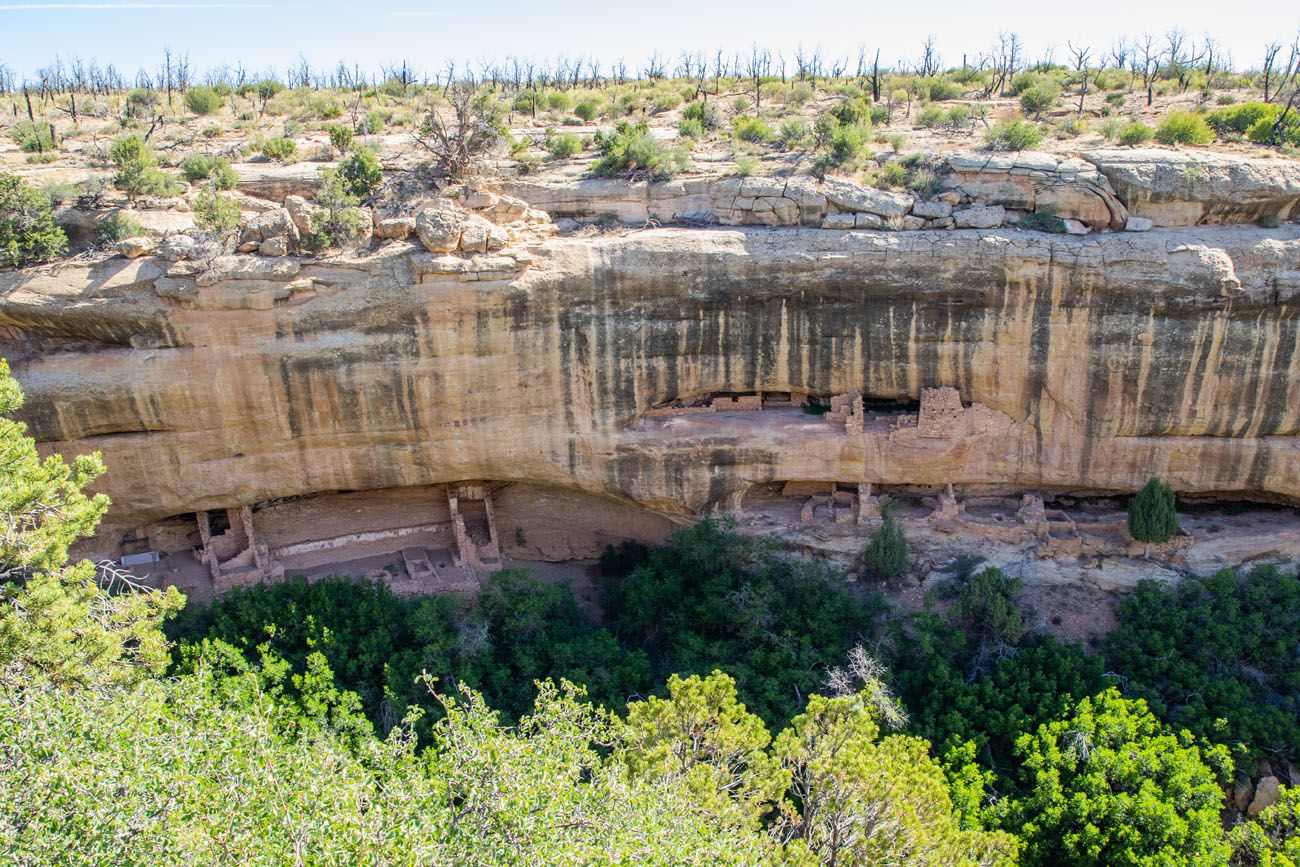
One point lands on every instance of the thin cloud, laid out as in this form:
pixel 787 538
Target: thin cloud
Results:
pixel 54 7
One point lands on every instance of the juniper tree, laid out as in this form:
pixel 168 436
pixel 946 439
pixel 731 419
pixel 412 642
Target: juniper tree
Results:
pixel 1151 515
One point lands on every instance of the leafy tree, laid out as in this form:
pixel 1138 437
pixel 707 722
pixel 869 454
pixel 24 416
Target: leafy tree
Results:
pixel 340 137
pixel 1110 785
pixel 1151 513
pixel 57 625
pixel 987 608
pixel 886 554
pixel 28 234
pixel 857 798
pixel 704 736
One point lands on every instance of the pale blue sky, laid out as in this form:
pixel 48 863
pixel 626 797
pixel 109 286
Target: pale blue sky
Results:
pixel 132 33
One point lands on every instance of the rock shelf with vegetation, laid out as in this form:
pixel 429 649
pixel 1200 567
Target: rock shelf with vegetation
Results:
pixel 727 464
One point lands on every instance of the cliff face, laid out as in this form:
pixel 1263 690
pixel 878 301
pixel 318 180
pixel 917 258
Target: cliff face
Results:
pixel 1082 364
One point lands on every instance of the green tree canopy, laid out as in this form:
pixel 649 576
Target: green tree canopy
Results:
pixel 1151 513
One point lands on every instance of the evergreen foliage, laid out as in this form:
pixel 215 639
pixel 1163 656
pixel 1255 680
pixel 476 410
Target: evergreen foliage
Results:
pixel 1151 513
pixel 28 234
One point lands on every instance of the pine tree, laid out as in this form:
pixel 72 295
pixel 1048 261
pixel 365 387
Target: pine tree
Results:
pixel 886 554
pixel 1151 514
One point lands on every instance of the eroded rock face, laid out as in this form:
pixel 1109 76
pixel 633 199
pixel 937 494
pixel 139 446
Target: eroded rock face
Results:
pixel 1082 364
pixel 1184 188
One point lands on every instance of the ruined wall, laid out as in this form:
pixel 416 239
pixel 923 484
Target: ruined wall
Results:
pixel 1085 364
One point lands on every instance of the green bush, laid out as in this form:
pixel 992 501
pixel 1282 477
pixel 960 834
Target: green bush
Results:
pixel 690 128
pixel 1134 133
pixel 852 111
pixel 751 129
pixel 557 100
pixel 886 555
pixel 1217 656
pixel 942 89
pixel 137 169
pixel 846 144
pixel 340 137
pixel 360 172
pixel 28 234
pixel 563 145
pixel 202 100
pixel 1039 98
pixel 665 102
pixel 793 134
pixel 1261 132
pixel 705 112
pixel 201 167
pixel 632 150
pixel 118 227
pixel 931 116
pixel 32 137
pixel 1185 128
pixel 1014 135
pixel 215 213
pixel 280 150
pixel 1241 118
pixel 587 110
pixel 1151 513
pixel 986 607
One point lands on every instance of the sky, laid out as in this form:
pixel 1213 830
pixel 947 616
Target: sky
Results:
pixel 259 34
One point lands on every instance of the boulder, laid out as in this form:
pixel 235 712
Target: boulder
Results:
pixel 1138 224
pixel 1075 227
pixel 1009 191
pixel 478 200
pixel 868 221
pixel 174 248
pixel 1242 794
pixel 1183 188
pixel 1266 795
pixel 849 196
pixel 979 217
pixel 838 221
pixel 274 247
pixel 439 228
pixel 272 224
pixel 301 212
pixel 225 268
pixel 935 210
pixel 474 234
pixel 134 248
pixel 1075 202
pixel 395 228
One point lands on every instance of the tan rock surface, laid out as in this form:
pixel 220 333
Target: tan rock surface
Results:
pixel 1085 364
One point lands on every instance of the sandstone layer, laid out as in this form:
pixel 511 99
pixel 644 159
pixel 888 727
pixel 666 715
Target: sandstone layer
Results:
pixel 1081 364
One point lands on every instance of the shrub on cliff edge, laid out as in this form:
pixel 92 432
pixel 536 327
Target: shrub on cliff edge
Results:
pixel 1151 514
pixel 28 235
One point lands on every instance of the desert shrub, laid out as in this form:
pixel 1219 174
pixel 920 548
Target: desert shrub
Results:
pixel 1071 127
pixel 118 226
pixel 690 128
pixel 1217 656
pixel 202 100
pixel 1134 133
pixel 1041 221
pixel 746 164
pixel 751 129
pixel 1039 98
pixel 891 175
pixel 280 150
pixel 632 150
pixel 665 102
pixel 141 102
pixel 1241 118
pixel 137 169
pixel 557 100
pixel 28 234
pixel 886 555
pixel 587 109
pixel 931 116
pixel 943 89
pixel 528 164
pixel 373 123
pixel 705 112
pixel 986 607
pixel 853 111
pixel 1151 513
pixel 1185 128
pixel 360 172
pixel 215 213
pixel 799 93
pixel 792 135
pixel 740 104
pixel 340 137
pixel 1115 99
pixel 1014 135
pixel 201 167
pixel 1109 128
pixel 846 144
pixel 33 137
pixel 563 145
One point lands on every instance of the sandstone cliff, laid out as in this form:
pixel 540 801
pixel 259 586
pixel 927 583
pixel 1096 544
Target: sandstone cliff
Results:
pixel 1082 364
